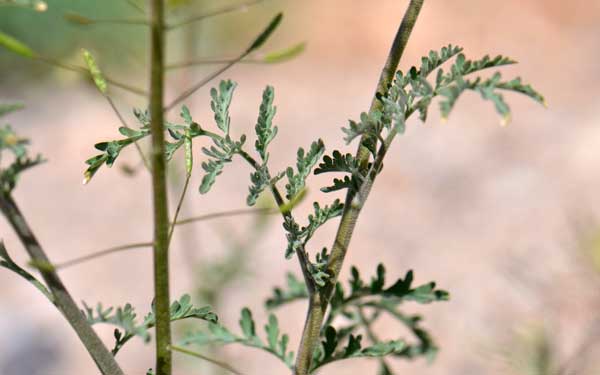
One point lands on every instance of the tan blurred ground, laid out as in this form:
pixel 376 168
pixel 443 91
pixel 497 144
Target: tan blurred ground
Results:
pixel 488 212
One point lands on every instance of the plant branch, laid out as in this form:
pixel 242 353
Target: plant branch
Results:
pixel 101 253
pixel 211 60
pixel 136 6
pixel 239 212
pixel 287 214
pixel 62 299
pixel 84 71
pixel 208 359
pixel 179 204
pixel 159 191
pixel 218 12
pixel 187 93
pixel 138 245
pixel 86 21
pixel 319 301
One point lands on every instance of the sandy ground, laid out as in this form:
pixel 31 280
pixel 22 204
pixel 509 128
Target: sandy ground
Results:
pixel 490 213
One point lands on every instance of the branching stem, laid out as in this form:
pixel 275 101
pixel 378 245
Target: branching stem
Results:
pixel 318 302
pixel 62 299
pixel 300 252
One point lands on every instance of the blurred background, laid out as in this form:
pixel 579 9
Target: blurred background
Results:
pixel 505 218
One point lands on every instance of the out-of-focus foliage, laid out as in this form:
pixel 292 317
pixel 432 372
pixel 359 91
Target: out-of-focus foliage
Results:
pixel 63 40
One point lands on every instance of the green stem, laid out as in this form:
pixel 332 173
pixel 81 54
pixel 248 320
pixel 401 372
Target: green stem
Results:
pixel 354 202
pixel 187 93
pixel 218 12
pixel 86 72
pixel 208 359
pixel 101 253
pixel 159 191
pixel 210 61
pixel 138 245
pixel 62 299
pixel 179 204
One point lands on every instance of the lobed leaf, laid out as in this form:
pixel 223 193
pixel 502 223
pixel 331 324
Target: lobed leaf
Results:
pixel 284 54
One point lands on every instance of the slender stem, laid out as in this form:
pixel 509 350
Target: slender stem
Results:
pixel 84 71
pixel 218 12
pixel 159 190
pixel 136 6
pixel 209 61
pixel 62 299
pixel 208 359
pixel 187 93
pixel 119 21
pixel 82 20
pixel 353 204
pixel 101 253
pixel 179 204
pixel 138 245
pixel 215 215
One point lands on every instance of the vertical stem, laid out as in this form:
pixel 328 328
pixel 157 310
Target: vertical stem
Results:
pixel 62 299
pixel 159 190
pixel 354 202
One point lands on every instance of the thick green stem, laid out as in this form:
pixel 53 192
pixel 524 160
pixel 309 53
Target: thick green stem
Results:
pixel 62 299
pixel 353 204
pixel 159 190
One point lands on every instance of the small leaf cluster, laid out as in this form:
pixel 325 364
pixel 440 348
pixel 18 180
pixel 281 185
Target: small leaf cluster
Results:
pixel 10 142
pixel 179 133
pixel 298 236
pixel 412 92
pixel 125 318
pixel 452 84
pixel 350 306
pixel 338 162
pixel 219 334
pixel 328 351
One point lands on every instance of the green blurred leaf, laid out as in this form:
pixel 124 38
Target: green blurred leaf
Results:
pixel 16 46
pixel 284 54
pixel 295 290
pixel 8 108
pixel 78 19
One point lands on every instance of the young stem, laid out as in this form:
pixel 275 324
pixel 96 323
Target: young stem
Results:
pixel 354 201
pixel 159 191
pixel 62 299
